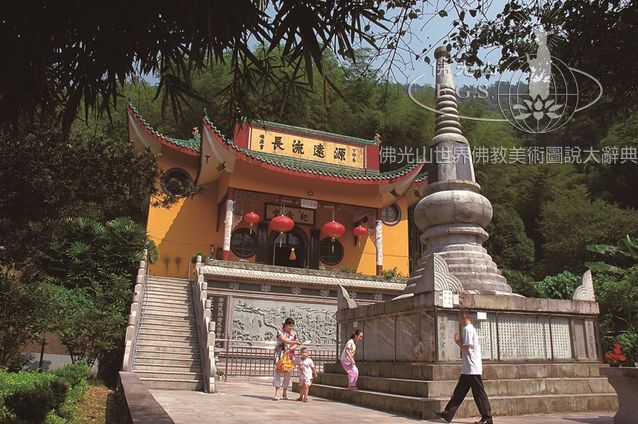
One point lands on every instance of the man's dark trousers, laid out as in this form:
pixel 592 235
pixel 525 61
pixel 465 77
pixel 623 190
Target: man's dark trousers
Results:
pixel 467 382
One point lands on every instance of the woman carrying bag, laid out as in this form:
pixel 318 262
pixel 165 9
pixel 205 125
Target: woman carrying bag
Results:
pixel 284 358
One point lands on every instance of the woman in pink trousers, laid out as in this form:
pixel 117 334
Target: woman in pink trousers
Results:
pixel 347 359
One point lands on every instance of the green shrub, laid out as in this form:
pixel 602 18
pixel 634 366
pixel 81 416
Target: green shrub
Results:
pixel 59 390
pixel 31 404
pixel 559 286
pixel 629 343
pixel 38 397
pixel 521 283
pixel 73 374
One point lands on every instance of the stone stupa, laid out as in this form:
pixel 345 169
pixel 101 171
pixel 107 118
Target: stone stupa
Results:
pixel 452 215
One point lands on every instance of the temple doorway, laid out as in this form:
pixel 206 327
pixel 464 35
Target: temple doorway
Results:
pixel 289 249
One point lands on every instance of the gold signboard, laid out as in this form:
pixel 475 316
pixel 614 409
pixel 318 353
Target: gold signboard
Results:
pixel 306 148
pixel 298 215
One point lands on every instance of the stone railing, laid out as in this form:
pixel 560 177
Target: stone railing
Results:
pixel 138 404
pixel 205 328
pixel 134 320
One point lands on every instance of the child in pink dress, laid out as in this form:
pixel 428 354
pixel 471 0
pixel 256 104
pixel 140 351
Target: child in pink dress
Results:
pixel 348 361
pixel 307 371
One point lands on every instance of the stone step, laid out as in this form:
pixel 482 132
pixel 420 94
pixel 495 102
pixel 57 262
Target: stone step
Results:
pixel 510 387
pixel 160 383
pixel 182 309
pixel 167 280
pixel 167 314
pixel 147 354
pixel 193 367
pixel 161 359
pixel 152 346
pixel 158 342
pixel 179 292
pixel 169 375
pixel 162 340
pixel 169 333
pixel 169 287
pixel 163 277
pixel 161 317
pixel 184 291
pixel 176 326
pixel 491 371
pixel 501 405
pixel 170 298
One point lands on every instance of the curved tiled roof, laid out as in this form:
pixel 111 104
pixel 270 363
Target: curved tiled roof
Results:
pixel 319 169
pixel 191 146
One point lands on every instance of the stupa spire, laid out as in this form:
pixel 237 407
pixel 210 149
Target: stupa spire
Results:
pixel 447 118
pixel 453 215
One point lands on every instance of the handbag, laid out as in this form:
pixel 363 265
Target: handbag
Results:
pixel 285 363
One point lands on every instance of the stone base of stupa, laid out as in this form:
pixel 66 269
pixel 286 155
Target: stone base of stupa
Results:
pixel 539 355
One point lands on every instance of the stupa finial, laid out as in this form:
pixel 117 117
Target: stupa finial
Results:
pixel 447 118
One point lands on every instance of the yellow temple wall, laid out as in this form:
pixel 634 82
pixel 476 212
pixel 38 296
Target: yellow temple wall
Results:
pixel 190 225
pixel 395 242
pixel 187 227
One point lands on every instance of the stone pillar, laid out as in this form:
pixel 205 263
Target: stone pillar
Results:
pixel 379 243
pixel 228 228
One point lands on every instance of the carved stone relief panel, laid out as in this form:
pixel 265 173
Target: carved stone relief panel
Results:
pixel 524 337
pixel 370 340
pixel 408 345
pixel 426 347
pixel 387 335
pixel 561 338
pixel 259 319
pixel 592 346
pixel 486 330
pixel 578 335
pixel 448 326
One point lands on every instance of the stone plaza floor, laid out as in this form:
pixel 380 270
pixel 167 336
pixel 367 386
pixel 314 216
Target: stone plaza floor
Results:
pixel 249 401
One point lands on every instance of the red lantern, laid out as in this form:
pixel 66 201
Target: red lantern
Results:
pixel 334 230
pixel 251 218
pixel 359 231
pixel 281 224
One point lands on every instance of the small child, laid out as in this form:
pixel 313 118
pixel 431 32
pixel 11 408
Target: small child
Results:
pixel 307 371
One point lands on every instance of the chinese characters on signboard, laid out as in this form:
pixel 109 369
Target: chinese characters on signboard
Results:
pixel 306 148
pixel 218 315
pixel 298 215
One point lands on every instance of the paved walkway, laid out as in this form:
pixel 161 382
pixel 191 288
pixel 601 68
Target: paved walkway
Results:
pixel 241 401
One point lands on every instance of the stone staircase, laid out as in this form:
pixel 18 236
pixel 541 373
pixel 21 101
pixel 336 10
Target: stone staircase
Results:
pixel 167 354
pixel 514 389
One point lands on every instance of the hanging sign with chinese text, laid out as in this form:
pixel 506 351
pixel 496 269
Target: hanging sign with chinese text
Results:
pixel 307 148
pixel 298 215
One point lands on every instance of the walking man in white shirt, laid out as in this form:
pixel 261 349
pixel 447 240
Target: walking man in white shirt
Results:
pixel 471 374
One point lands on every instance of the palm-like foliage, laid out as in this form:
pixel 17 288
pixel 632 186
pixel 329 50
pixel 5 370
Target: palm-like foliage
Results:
pixel 626 249
pixel 89 270
pixel 77 54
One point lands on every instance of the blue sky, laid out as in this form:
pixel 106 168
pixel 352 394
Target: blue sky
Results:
pixel 431 29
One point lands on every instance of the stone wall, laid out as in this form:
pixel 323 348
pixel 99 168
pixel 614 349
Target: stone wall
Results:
pixel 416 328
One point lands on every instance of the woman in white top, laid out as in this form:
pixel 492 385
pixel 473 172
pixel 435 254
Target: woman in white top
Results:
pixel 347 359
